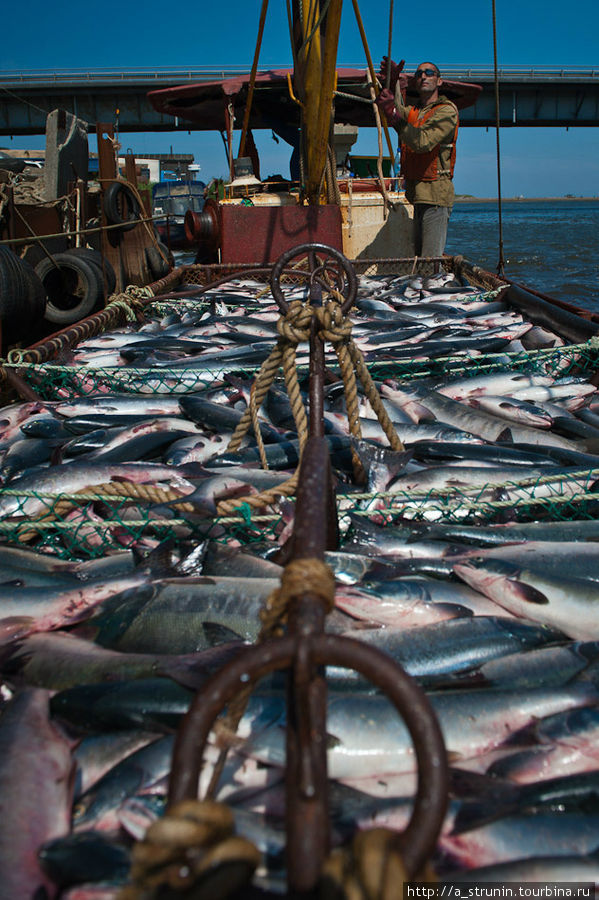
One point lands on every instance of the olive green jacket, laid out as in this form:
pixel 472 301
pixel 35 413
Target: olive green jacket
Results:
pixel 440 127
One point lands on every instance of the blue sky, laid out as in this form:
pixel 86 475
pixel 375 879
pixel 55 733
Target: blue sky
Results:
pixel 535 161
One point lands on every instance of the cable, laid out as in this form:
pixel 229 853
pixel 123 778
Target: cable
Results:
pixel 501 261
pixel 388 78
pixel 248 103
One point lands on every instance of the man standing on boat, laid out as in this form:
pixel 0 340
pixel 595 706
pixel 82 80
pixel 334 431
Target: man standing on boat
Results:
pixel 428 132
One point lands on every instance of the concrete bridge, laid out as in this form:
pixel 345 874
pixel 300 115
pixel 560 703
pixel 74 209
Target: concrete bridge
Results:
pixel 529 96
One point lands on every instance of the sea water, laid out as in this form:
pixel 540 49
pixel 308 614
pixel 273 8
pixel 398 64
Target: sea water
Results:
pixel 549 245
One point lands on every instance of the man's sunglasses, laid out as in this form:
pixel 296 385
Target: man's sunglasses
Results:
pixel 428 72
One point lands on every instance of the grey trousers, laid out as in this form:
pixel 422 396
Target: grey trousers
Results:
pixel 430 229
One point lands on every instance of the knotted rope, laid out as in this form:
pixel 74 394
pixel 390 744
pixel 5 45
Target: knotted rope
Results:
pixel 294 328
pixel 131 301
pixel 372 868
pixel 192 850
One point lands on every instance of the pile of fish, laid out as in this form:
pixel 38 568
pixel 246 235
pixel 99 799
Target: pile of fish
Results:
pixel 495 615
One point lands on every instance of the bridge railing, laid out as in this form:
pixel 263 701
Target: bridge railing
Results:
pixel 30 77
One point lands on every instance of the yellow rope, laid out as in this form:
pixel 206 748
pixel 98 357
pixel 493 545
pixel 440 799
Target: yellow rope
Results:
pixel 371 868
pixel 294 328
pixel 300 576
pixel 193 850
pixel 126 489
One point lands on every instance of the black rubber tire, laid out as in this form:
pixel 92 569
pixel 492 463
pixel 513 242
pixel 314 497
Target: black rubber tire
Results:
pixel 12 285
pixel 36 294
pixel 157 264
pixel 94 257
pixel 10 164
pixel 22 297
pixel 72 290
pixel 168 254
pixel 121 206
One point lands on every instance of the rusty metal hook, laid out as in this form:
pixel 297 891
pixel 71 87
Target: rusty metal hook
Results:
pixel 419 837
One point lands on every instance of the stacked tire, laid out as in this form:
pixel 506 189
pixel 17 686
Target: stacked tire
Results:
pixel 22 297
pixel 159 260
pixel 74 284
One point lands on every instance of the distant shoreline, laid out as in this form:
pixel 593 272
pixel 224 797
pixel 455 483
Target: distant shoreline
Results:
pixel 463 199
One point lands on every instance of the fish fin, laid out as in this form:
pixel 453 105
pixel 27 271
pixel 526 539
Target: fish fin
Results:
pixel 530 594
pixel 216 633
pixel 193 563
pixel 590 445
pixel 13 627
pixel 506 436
pixel 382 464
pixel 192 670
pixel 590 673
pixel 159 563
pixel 473 814
pixel 480 786
pixel 192 470
pixel 333 742
pixel 524 737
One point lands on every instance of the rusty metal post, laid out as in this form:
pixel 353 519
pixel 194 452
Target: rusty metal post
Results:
pixel 16 381
pixel 304 652
pixel 307 819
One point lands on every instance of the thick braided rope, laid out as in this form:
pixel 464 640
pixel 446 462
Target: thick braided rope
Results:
pixel 336 328
pixel 193 850
pixel 374 398
pixel 294 328
pixel 371 868
pixel 131 301
pixel 359 367
pixel 127 490
pixel 256 426
pixel 266 374
pixel 300 576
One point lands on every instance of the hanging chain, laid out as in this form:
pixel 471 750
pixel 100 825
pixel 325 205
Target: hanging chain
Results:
pixel 501 261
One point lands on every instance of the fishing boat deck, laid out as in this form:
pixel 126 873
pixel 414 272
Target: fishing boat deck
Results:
pixel 468 555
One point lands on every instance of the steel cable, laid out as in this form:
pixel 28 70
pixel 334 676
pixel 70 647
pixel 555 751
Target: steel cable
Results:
pixel 501 261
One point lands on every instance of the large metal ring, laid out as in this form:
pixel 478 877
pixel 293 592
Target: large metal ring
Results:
pixel 418 840
pixel 343 272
